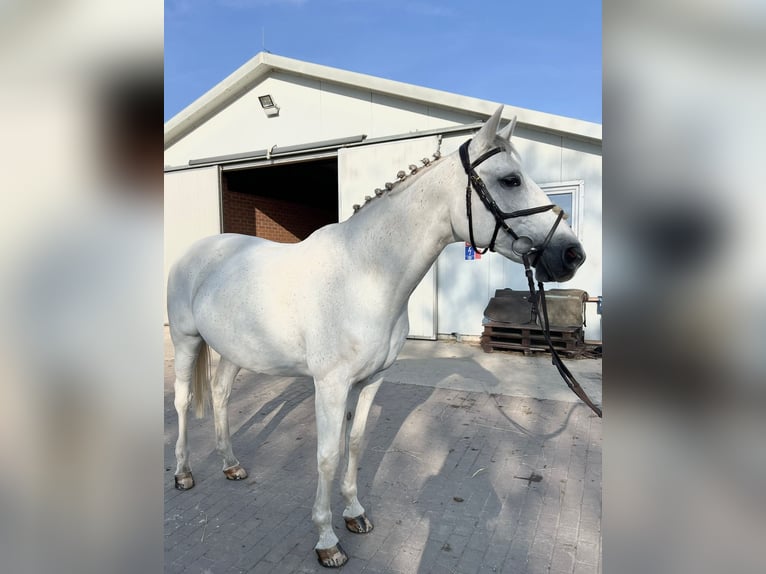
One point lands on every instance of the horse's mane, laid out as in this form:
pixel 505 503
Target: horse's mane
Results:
pixel 403 179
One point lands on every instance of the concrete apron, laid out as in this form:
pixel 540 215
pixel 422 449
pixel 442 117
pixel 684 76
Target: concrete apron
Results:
pixel 466 367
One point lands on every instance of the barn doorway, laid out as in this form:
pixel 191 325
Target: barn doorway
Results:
pixel 285 202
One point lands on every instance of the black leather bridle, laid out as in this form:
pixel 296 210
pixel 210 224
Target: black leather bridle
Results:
pixel 523 246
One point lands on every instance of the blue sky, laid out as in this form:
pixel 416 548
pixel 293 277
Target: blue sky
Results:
pixel 539 54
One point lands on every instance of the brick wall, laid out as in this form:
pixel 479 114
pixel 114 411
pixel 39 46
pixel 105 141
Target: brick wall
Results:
pixel 273 219
pixel 239 212
pixel 288 222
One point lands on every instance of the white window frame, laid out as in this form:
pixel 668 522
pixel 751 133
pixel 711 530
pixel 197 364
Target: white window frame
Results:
pixel 577 190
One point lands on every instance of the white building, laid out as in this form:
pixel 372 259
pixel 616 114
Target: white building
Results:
pixel 282 147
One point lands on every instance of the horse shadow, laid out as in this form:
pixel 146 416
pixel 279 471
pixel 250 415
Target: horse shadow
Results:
pixel 457 493
pixel 436 474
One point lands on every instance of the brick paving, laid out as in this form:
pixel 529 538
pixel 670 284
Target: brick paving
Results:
pixel 455 482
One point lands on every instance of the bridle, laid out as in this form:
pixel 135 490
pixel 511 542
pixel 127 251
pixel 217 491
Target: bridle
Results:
pixel 523 246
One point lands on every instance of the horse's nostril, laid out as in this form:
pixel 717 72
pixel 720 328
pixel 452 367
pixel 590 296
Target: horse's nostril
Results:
pixel 573 256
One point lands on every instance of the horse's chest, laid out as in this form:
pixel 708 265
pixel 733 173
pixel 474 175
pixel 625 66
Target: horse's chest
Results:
pixel 361 348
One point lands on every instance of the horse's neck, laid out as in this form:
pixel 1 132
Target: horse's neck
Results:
pixel 399 235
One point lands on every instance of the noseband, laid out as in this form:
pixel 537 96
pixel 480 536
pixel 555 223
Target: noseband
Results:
pixel 523 246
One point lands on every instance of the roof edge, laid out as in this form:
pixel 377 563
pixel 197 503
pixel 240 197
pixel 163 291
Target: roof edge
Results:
pixel 218 96
pixel 260 65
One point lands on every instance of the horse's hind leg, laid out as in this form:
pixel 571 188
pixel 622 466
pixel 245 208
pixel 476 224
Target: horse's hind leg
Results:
pixel 354 514
pixel 186 351
pixel 221 390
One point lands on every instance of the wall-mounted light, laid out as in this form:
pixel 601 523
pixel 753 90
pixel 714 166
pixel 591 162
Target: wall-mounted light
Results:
pixel 269 107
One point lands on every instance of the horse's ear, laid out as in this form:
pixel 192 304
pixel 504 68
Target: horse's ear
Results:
pixel 485 139
pixel 507 131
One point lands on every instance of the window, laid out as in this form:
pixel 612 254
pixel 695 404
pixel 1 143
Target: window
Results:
pixel 568 195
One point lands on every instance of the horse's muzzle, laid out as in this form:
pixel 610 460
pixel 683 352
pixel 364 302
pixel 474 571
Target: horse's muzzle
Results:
pixel 559 263
pixel 573 256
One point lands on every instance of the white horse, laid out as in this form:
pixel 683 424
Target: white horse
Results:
pixel 334 306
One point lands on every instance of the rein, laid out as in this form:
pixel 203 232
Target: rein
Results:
pixel 566 374
pixel 523 246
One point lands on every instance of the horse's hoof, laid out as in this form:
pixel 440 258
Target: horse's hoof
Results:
pixel 235 472
pixel 359 524
pixel 333 557
pixel 184 481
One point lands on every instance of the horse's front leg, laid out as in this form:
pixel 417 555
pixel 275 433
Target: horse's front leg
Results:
pixel 354 514
pixel 330 402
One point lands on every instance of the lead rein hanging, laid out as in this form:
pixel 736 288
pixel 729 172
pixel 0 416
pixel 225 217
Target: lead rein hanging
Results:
pixel 565 373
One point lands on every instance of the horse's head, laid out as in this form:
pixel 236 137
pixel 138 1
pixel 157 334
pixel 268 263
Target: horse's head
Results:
pixel 508 211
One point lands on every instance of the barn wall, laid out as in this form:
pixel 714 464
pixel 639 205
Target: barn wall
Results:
pixel 191 212
pixel 310 110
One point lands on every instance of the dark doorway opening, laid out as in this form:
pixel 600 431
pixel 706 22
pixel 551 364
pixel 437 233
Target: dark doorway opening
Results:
pixel 284 203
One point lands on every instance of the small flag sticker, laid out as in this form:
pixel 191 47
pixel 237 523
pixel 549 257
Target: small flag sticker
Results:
pixel 470 253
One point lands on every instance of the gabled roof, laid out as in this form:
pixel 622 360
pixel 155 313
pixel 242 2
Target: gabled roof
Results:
pixel 264 63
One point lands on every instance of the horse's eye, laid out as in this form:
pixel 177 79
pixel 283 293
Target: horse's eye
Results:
pixel 513 180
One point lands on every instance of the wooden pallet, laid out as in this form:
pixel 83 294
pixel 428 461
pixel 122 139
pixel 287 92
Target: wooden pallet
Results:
pixel 528 337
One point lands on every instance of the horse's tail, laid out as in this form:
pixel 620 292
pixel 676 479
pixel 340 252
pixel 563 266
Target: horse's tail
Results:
pixel 201 381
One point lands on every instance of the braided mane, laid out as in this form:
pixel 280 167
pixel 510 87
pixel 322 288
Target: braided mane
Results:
pixel 401 177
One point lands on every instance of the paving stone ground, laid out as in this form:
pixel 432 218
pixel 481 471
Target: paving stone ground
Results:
pixel 455 481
